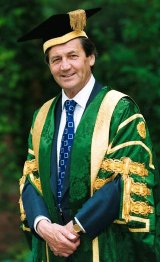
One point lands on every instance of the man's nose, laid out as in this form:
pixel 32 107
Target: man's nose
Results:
pixel 65 65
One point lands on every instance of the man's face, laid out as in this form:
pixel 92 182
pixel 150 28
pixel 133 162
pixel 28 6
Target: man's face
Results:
pixel 70 67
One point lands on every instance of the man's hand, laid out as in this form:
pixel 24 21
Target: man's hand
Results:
pixel 69 226
pixel 61 240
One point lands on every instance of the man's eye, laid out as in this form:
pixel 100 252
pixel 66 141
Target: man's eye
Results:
pixel 74 56
pixel 56 60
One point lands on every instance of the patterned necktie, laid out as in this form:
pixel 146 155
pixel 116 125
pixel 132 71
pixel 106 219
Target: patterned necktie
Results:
pixel 66 143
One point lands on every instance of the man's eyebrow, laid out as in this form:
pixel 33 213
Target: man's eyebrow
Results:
pixel 68 53
pixel 72 51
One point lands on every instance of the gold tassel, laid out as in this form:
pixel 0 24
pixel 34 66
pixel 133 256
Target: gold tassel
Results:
pixel 77 19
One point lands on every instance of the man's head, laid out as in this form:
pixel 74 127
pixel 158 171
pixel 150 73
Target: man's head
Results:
pixel 70 64
pixel 63 34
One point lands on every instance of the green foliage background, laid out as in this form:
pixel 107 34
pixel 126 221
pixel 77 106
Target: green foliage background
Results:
pixel 126 33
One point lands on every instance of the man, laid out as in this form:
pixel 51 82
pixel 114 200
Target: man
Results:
pixel 90 182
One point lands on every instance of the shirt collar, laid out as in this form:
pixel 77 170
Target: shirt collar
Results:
pixel 83 95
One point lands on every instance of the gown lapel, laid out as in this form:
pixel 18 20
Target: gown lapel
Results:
pixel 54 168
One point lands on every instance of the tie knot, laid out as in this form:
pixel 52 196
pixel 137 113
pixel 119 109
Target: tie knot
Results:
pixel 70 106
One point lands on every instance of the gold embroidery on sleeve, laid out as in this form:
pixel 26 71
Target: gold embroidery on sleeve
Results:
pixel 99 182
pixel 132 143
pixel 30 166
pixel 140 189
pixel 123 166
pixel 21 182
pixel 140 208
pixel 126 167
pixel 22 212
pixel 130 206
pixel 141 129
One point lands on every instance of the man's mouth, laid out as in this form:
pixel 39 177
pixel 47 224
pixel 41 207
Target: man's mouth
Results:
pixel 68 75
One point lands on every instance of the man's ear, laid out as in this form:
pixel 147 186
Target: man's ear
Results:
pixel 92 60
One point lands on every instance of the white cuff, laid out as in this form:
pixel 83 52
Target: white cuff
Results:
pixel 77 221
pixel 38 219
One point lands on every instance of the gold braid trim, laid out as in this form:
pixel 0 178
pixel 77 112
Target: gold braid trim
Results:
pixel 24 228
pixel 22 212
pixel 21 183
pixel 136 188
pixel 136 207
pixel 140 189
pixel 140 208
pixel 124 166
pixel 130 206
pixel 30 166
pixel 99 182
pixel 36 181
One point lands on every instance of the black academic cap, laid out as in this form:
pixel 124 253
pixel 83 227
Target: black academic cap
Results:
pixel 60 28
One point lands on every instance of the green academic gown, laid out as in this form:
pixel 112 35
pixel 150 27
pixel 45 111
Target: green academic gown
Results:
pixel 134 235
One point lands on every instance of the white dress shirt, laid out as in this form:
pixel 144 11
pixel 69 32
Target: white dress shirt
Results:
pixel 81 99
